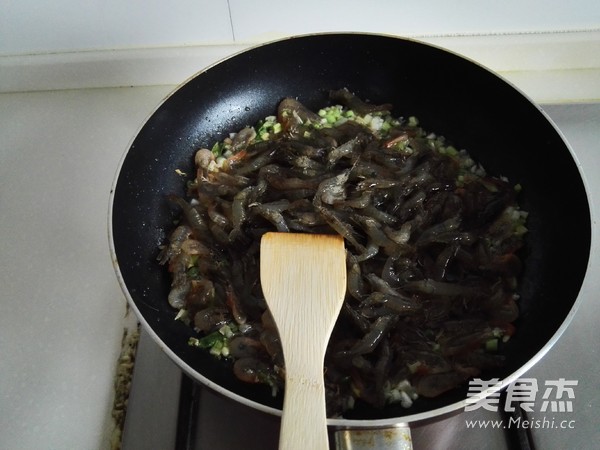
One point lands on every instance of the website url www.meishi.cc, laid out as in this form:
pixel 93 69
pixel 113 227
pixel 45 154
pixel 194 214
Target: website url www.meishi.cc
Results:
pixel 518 422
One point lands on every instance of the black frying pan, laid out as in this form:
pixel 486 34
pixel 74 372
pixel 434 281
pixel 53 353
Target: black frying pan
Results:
pixel 472 107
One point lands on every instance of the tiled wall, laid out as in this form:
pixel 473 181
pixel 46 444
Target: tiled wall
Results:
pixel 33 26
pixel 251 19
pixel 548 48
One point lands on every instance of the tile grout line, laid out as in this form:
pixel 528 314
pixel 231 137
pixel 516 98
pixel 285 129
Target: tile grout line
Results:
pixel 231 21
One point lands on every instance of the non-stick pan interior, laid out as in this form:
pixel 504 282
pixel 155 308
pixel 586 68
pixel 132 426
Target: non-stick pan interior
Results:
pixel 452 96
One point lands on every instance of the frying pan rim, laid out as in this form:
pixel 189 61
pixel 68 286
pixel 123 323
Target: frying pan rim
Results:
pixel 340 422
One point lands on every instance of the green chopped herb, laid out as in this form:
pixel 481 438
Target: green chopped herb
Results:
pixel 491 345
pixel 217 149
pixel 208 341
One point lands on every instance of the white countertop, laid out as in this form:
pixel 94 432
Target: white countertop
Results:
pixel 61 309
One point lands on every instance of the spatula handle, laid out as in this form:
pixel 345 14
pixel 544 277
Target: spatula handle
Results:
pixel 303 424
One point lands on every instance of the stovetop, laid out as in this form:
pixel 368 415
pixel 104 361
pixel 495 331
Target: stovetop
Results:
pixel 167 410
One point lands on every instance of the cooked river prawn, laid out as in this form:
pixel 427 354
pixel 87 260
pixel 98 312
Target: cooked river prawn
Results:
pixel 432 250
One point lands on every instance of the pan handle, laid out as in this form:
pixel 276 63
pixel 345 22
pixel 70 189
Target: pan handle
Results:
pixel 389 438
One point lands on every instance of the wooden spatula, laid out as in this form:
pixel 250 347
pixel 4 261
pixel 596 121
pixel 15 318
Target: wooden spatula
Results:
pixel 303 278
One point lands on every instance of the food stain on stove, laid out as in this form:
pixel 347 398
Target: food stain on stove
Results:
pixel 122 382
